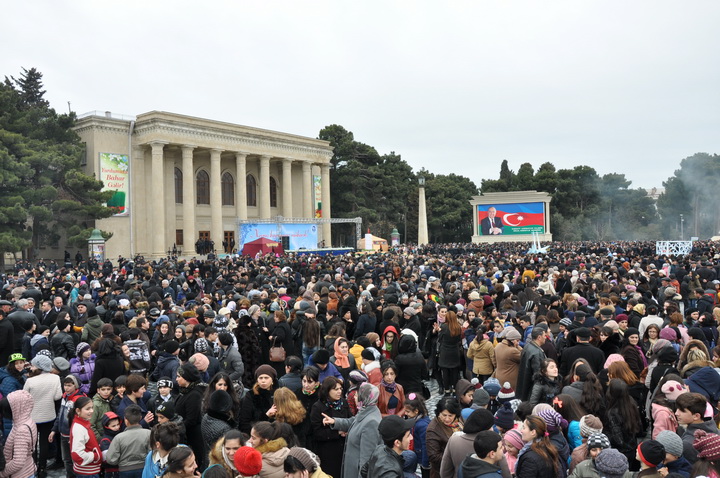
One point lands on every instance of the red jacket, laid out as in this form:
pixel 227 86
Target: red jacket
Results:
pixel 84 448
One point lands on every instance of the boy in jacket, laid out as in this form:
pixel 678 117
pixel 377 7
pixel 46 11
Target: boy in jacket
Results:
pixel 71 385
pixel 129 448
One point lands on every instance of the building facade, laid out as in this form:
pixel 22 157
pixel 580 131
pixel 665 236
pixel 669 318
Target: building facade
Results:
pixel 183 178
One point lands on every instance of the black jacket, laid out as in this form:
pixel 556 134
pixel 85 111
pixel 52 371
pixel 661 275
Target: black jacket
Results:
pixel 473 467
pixel 384 463
pixel 411 365
pixel 254 408
pixel 62 345
pixel 592 354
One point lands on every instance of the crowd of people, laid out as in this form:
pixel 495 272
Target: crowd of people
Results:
pixel 591 360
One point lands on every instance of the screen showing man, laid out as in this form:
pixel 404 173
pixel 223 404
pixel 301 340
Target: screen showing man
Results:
pixel 491 225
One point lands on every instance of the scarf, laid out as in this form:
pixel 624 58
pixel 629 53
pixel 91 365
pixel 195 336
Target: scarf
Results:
pixel 367 395
pixel 440 320
pixel 311 392
pixel 228 461
pixel 389 387
pixel 644 359
pixel 341 359
pixel 336 405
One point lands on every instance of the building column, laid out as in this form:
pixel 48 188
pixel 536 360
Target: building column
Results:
pixel 241 186
pixel 325 184
pixel 307 190
pixel 188 192
pixel 216 224
pixel 287 187
pixel 139 195
pixel 264 187
pixel 157 180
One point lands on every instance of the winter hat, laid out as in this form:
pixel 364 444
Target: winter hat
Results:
pixel 652 453
pixel 611 463
pixel 321 357
pixel 583 333
pixel 672 389
pixel 220 401
pixel 265 370
pixel 479 420
pixel 200 361
pixel 511 333
pixel 248 461
pixel 598 440
pixel 357 377
pixel 668 334
pixel 171 346
pixel 62 324
pixel 72 379
pixel 505 417
pixel 474 295
pixel 480 398
pixel 201 346
pixel 554 421
pixel 81 348
pixel 221 321
pixel 514 437
pixel 506 393
pixel 590 424
pixel 189 372
pixel 671 441
pixel 309 460
pixel 707 445
pixel 492 386
pixel 566 322
pixel 61 364
pixel 164 382
pixel 45 353
pixel 166 409
pixel 367 354
pixel 621 317
pixel 631 331
pixel 209 314
pixel 107 418
pixel 612 358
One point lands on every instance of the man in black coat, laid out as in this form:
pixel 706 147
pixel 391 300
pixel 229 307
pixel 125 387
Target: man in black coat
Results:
pixel 7 337
pixel 594 356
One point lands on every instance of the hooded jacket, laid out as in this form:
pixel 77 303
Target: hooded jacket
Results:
pixel 21 441
pixel 273 458
pixel 92 329
pixel 694 343
pixel 707 382
pixel 412 369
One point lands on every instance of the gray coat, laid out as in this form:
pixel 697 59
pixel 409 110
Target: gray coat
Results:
pixel 232 363
pixel 362 439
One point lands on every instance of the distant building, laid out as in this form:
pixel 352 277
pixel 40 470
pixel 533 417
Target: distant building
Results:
pixel 182 178
pixel 655 193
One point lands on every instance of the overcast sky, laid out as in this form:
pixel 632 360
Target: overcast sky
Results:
pixel 454 87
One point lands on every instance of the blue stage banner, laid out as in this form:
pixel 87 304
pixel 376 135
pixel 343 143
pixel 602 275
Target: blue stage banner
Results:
pixel 302 236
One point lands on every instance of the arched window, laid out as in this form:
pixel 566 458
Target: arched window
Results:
pixel 251 187
pixel 203 187
pixel 273 192
pixel 178 186
pixel 228 190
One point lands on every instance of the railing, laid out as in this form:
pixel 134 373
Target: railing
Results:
pixel 676 248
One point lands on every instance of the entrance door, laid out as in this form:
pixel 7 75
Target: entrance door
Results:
pixel 229 242
pixel 203 244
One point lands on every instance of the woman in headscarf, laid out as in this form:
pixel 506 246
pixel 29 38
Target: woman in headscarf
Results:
pixel 362 431
pixel 343 360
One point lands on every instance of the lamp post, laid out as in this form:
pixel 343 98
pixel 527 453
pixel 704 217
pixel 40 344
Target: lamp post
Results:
pixel 682 227
pixel 96 246
pixel 422 213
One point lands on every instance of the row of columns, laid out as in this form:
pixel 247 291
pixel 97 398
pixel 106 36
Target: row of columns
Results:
pixel 158 244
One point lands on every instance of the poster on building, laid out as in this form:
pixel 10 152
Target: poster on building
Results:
pixel 114 173
pixel 301 236
pixel 317 193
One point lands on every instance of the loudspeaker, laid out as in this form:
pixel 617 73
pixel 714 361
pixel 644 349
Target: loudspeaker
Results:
pixel 285 242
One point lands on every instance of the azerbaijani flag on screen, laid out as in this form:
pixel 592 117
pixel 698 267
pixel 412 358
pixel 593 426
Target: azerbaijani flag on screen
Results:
pixel 521 218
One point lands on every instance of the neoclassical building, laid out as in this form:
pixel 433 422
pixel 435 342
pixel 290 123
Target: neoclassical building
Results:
pixel 187 178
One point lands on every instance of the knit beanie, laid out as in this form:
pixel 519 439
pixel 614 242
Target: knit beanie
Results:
pixel 479 420
pixel 590 424
pixel 668 334
pixel 357 377
pixel 200 361
pixel 164 382
pixel 611 463
pixel 201 346
pixel 671 441
pixel 43 363
pixel 566 322
pixel 514 437
pixel 480 398
pixel 367 355
pixel 166 409
pixel 492 386
pixel 672 389
pixel 265 369
pixel 598 440
pixel 81 348
pixel 707 445
pixel 220 401
pixel 505 417
pixel 553 420
pixel 506 393
pixel 248 461
pixel 189 372
pixel 61 364
pixel 652 453
pixel 309 460
pixel 171 346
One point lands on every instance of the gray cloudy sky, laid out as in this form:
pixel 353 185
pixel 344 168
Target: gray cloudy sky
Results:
pixel 457 87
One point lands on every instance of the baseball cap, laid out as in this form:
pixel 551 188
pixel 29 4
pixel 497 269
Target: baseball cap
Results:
pixel 393 425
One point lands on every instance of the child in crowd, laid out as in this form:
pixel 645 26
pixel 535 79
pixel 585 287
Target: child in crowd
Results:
pixel 71 385
pixel 83 366
pixel 164 388
pixel 163 438
pixel 129 448
pixel 111 428
pixel 119 392
pixel 86 454
pixel 513 444
pixel 101 405
pixel 492 387
pixel 690 412
pixel 415 409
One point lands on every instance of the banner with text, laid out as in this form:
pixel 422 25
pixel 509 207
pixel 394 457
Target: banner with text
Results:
pixel 302 236
pixel 511 219
pixel 317 193
pixel 114 173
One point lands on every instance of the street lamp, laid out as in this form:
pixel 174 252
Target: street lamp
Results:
pixel 682 227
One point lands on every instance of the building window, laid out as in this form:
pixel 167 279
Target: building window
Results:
pixel 228 190
pixel 273 192
pixel 251 187
pixel 179 237
pixel 203 188
pixel 178 186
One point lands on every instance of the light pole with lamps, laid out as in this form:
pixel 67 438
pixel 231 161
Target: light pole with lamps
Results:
pixel 422 214
pixel 682 227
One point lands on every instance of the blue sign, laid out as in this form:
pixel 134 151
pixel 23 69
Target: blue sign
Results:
pixel 302 236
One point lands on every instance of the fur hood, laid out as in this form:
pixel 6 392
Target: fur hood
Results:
pixel 694 366
pixel 371 366
pixel 272 446
pixel 693 344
